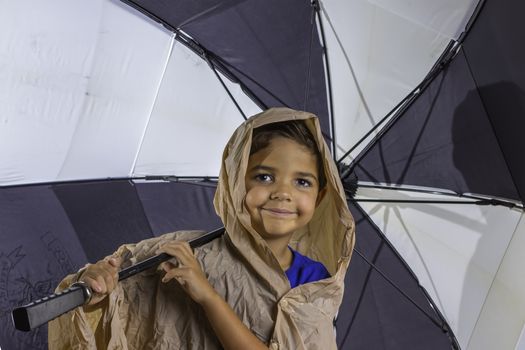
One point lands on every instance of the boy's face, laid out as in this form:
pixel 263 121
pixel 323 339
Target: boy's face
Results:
pixel 282 188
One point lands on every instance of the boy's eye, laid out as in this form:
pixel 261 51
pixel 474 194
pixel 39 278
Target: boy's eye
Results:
pixel 263 177
pixel 304 183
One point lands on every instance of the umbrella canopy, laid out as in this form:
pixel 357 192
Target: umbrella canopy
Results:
pixel 102 89
pixel 461 133
pixel 141 81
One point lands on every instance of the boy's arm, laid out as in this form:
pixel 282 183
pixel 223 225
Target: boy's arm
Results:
pixel 232 333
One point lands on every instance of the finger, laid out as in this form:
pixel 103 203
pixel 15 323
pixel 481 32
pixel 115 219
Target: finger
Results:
pixel 115 261
pixel 184 246
pixel 109 274
pixel 167 266
pixel 102 283
pixel 182 252
pixel 112 266
pixel 105 266
pixel 177 273
pixel 89 276
pixel 97 278
pixel 168 277
pixel 110 279
pixel 92 283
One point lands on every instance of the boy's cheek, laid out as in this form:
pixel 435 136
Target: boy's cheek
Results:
pixel 254 198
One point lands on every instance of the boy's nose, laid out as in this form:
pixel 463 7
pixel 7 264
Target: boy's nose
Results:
pixel 281 192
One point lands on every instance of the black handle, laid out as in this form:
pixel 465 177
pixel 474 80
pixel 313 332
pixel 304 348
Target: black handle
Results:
pixel 43 310
pixel 38 312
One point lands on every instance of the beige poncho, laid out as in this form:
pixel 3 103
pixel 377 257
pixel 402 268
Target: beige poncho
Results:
pixel 144 313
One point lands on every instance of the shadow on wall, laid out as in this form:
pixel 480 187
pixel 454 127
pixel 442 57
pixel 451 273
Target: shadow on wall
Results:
pixel 487 134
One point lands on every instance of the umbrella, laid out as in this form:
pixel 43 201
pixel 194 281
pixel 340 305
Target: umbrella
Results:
pixel 150 84
pixel 461 134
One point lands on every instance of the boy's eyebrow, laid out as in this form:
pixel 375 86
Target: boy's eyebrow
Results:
pixel 262 167
pixel 301 174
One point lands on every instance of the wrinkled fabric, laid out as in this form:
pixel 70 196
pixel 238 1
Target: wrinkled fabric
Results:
pixel 144 313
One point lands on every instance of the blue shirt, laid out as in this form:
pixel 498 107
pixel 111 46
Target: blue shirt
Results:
pixel 304 270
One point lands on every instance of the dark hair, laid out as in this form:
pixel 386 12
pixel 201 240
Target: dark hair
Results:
pixel 295 130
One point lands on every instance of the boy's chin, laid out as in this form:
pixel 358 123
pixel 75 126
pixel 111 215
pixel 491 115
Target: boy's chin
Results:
pixel 275 233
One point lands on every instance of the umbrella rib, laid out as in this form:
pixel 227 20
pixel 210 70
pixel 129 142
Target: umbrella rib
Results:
pixel 372 265
pixel 205 54
pixel 206 181
pixel 360 300
pixel 223 66
pixel 426 120
pixel 377 125
pixel 199 15
pixel 143 136
pixel 492 283
pixel 212 67
pixel 347 59
pixel 309 69
pixel 480 202
pixel 197 180
pixel 444 325
pixel 398 110
pixel 227 64
pixel 408 189
pixel 474 199
pixel 328 81
pixel 491 123
pixel 398 113
pixel 473 18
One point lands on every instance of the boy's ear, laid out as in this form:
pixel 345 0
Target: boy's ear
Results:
pixel 320 196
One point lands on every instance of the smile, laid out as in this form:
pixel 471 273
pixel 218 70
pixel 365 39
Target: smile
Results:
pixel 279 211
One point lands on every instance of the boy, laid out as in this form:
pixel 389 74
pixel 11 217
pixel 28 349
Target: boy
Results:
pixel 280 200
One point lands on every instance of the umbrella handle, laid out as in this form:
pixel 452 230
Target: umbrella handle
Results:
pixel 38 312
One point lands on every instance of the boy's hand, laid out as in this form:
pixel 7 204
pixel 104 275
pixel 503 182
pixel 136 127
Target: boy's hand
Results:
pixel 101 277
pixel 189 273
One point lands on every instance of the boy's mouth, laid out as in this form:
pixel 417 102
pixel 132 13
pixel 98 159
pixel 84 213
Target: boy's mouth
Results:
pixel 279 211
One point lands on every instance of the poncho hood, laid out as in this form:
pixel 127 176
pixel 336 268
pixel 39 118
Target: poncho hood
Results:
pixel 328 238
